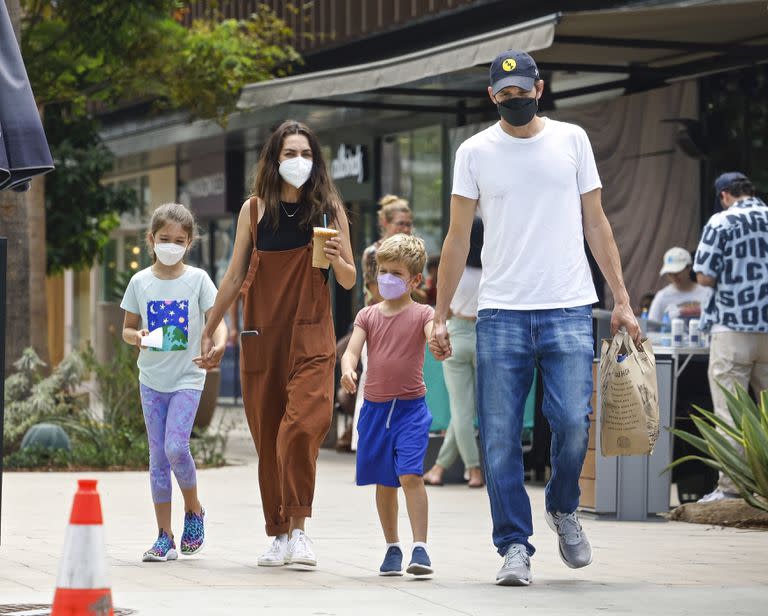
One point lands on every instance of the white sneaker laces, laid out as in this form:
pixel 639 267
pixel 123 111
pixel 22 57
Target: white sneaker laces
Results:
pixel 302 542
pixel 274 549
pixel 569 527
pixel 515 554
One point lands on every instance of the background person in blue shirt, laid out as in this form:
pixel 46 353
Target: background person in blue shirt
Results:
pixel 732 258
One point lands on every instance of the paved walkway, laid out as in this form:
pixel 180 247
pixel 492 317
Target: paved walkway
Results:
pixel 655 567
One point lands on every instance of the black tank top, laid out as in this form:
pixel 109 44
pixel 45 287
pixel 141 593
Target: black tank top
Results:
pixel 289 233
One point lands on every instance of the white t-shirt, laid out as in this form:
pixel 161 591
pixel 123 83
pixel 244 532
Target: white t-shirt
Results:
pixel 464 302
pixel 529 193
pixel 679 304
pixel 178 307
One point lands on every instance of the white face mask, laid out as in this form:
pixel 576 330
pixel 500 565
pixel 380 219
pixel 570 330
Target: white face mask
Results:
pixel 170 254
pixel 295 170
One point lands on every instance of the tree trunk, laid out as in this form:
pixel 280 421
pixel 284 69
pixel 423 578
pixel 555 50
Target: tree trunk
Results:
pixel 13 223
pixel 24 226
pixel 38 304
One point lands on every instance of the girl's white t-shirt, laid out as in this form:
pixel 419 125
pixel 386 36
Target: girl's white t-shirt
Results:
pixel 529 196
pixel 177 307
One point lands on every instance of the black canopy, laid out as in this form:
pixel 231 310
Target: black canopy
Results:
pixel 24 150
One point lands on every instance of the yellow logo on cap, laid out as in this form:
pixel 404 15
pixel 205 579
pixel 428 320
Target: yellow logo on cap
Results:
pixel 509 64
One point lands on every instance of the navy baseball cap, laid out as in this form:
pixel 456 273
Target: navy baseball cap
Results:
pixel 726 179
pixel 513 68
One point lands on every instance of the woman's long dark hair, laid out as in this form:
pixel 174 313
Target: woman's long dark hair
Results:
pixel 318 195
pixel 475 244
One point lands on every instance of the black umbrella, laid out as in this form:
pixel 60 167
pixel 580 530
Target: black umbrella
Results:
pixel 24 150
pixel 24 153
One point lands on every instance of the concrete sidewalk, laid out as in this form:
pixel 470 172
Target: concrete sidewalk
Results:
pixel 655 567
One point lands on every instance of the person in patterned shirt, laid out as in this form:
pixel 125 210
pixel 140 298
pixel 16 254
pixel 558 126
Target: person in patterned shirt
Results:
pixel 732 258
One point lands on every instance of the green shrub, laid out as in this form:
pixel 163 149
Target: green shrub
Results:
pixel 737 448
pixel 31 397
pixel 208 448
pixel 108 436
pixel 38 457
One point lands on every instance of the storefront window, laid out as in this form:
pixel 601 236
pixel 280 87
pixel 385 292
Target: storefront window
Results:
pixel 126 253
pixel 214 255
pixel 412 167
pixel 734 131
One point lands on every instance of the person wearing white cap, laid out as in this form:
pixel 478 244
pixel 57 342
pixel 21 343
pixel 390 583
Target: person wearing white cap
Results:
pixel 682 297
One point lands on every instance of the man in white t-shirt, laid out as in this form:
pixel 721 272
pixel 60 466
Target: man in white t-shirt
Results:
pixel 682 297
pixel 538 191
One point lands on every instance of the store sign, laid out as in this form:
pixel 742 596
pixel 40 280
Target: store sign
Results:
pixel 204 182
pixel 214 185
pixel 350 162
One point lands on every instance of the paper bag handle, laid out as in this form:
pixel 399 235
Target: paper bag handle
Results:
pixel 630 343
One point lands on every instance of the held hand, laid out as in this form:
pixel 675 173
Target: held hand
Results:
pixel 349 381
pixel 623 316
pixel 210 356
pixel 139 335
pixel 440 342
pixel 333 249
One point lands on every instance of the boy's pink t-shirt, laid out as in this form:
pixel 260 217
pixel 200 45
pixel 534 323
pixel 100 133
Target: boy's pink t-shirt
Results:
pixel 395 352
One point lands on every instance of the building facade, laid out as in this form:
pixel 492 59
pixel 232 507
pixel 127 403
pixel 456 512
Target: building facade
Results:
pixel 664 89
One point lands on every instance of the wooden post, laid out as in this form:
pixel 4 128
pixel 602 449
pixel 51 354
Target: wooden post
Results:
pixel 3 262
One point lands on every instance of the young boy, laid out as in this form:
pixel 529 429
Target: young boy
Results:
pixel 394 421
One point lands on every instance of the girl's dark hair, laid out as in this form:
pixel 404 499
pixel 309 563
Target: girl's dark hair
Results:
pixel 741 188
pixel 319 193
pixel 475 244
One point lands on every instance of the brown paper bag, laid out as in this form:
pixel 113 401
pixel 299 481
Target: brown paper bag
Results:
pixel 629 403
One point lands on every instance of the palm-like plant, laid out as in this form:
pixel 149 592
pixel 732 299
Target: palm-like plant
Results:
pixel 738 448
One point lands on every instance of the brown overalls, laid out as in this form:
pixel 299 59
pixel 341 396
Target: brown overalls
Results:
pixel 287 374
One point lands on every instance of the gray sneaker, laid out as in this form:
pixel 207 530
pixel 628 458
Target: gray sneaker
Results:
pixel 516 570
pixel 574 545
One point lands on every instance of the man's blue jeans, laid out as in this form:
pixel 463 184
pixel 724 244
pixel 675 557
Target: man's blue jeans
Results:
pixel 509 344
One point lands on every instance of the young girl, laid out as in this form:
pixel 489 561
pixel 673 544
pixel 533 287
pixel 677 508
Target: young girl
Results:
pixel 163 306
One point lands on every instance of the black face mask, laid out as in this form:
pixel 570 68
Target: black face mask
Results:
pixel 518 111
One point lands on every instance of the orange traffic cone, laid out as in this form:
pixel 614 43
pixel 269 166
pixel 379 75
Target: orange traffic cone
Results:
pixel 83 588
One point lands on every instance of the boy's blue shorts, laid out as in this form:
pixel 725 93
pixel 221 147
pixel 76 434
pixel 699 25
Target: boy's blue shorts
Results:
pixel 393 439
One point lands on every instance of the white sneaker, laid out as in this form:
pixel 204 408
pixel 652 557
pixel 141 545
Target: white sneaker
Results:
pixel 716 495
pixel 276 555
pixel 300 550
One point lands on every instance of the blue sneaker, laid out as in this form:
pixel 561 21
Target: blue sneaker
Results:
pixel 193 537
pixel 393 562
pixel 164 549
pixel 420 563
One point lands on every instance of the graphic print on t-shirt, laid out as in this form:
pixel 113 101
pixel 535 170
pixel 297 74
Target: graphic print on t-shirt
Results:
pixel 173 317
pixel 734 250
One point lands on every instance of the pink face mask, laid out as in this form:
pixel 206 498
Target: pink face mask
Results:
pixel 391 287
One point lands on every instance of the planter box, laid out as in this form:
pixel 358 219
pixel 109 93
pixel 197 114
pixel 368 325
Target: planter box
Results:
pixel 209 399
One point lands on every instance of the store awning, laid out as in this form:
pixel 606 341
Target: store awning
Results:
pixel 461 54
pixel 627 50
pixel 651 47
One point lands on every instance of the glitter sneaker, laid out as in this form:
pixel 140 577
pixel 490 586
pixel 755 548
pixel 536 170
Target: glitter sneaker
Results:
pixel 164 549
pixel 193 537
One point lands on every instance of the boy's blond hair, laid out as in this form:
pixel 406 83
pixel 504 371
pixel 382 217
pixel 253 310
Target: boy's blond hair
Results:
pixel 405 248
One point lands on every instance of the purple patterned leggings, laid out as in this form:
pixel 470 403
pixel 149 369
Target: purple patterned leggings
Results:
pixel 169 418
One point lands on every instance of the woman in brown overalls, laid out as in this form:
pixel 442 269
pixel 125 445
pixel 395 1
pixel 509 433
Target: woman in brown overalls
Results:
pixel 287 344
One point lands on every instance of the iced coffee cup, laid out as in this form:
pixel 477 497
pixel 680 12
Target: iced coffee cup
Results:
pixel 319 236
